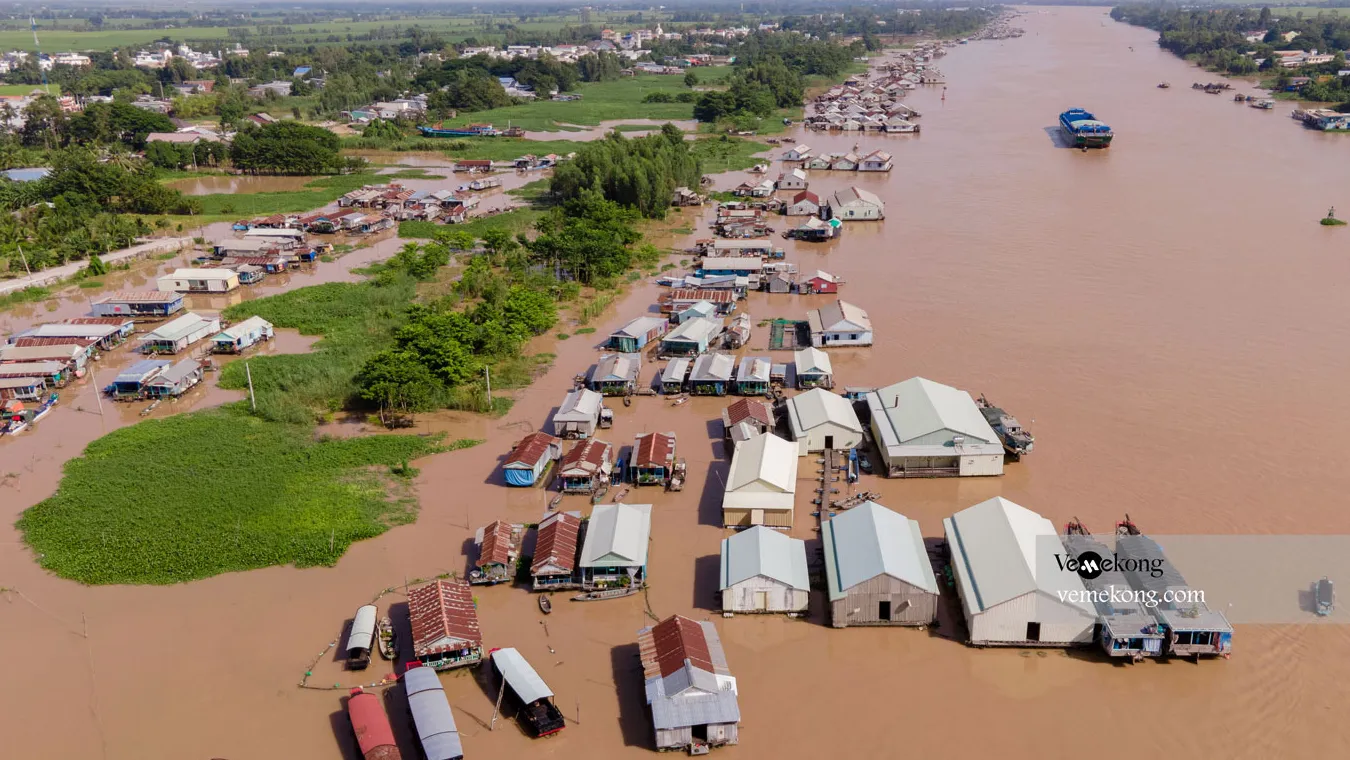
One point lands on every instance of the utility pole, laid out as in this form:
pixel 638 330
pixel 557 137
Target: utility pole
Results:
pixel 252 400
pixel 487 375
pixel 98 396
pixel 25 262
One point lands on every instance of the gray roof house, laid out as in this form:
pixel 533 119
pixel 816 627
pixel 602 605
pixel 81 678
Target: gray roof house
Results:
pixel 927 429
pixel 579 414
pixel 820 420
pixel 839 324
pixel 877 570
pixel 690 690
pixel 614 552
pixel 764 570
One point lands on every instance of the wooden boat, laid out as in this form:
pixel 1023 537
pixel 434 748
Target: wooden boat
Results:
pixel 545 604
pixel 384 636
pixel 553 504
pixel 677 475
pixel 1163 85
pixel 678 401
pixel 1324 593
pixel 609 593
pixel 618 497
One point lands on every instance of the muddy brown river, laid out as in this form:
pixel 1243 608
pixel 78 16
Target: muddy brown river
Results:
pixel 1168 312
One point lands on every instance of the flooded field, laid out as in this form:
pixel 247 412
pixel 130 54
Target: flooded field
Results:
pixel 581 133
pixel 1165 315
pixel 218 183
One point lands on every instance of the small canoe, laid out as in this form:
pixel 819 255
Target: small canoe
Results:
pixel 545 605
pixel 555 502
pixel 612 593
pixel 385 636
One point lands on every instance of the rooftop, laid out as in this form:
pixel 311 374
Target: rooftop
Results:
pixel 870 540
pixel 443 617
pixel 762 551
pixel 617 536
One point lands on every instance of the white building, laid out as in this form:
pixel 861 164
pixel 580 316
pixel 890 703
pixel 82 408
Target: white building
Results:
pixel 877 570
pixel 839 324
pixel 764 570
pixel 614 552
pixel 199 281
pixel 821 420
pixel 1012 590
pixel 797 153
pixel 855 204
pixel 927 429
pixel 762 484
pixel 792 180
pixel 579 415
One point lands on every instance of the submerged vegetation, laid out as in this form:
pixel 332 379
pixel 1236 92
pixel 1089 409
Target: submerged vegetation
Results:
pixel 200 494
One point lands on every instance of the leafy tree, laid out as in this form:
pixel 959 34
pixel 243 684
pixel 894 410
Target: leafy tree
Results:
pixel 531 309
pixel 287 147
pixel 398 384
pixel 690 79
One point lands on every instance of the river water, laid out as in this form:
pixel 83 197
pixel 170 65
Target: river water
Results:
pixel 1167 312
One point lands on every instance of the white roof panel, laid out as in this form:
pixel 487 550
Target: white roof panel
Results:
pixel 767 552
pixel 524 681
pixel 870 540
pixel 617 535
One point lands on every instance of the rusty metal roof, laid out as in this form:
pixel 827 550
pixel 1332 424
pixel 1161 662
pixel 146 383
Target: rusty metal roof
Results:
pixel 531 448
pixel 674 640
pixel 557 544
pixel 498 547
pixel 443 617
pixel 53 341
pixel 589 457
pixel 749 409
pixel 654 450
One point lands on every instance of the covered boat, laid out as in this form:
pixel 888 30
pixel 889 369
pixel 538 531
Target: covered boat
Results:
pixel 374 735
pixel 1084 130
pixel 1325 594
pixel 537 713
pixel 432 718
pixel 361 638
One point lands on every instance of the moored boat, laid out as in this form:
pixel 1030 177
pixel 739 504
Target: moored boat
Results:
pixel 545 604
pixel 1084 130
pixel 384 639
pixel 1016 441
pixel 1324 592
pixel 1264 105
pixel 609 593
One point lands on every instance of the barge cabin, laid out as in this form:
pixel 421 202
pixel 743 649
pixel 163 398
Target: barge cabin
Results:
pixel 530 459
pixel 877 569
pixel 653 459
pixel 361 637
pixel 374 735
pixel 432 717
pixel 1125 628
pixel 690 689
pixel 614 549
pixel 764 570
pixel 498 550
pixel 155 304
pixel 445 628
pixel 1190 628
pixel 587 467
pixel 555 552
pixel 533 699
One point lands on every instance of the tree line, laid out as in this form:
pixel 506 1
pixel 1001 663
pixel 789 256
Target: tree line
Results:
pixel 641 172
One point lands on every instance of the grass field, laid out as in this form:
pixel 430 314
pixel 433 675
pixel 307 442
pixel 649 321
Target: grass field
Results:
pixel 166 501
pixel 22 89
pixel 322 191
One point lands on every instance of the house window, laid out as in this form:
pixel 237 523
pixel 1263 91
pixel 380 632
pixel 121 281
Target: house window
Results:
pixel 853 336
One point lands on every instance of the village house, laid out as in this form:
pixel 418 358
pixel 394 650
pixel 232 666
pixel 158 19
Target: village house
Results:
pixel 177 335
pixel 819 282
pixel 1012 593
pixel 805 203
pixel 738 333
pixel 820 420
pixel 445 631
pixel 856 204
pixel 700 310
pixel 21 388
pixel 877 570
pixel 614 551
pixel 816 230
pixel 616 374
pixel 876 161
pixel 636 335
pixel 740 266
pixel 927 429
pixel 555 552
pixel 813 369
pixel 103 337
pixel 200 281
pixel 752 375
pixel 52 373
pixel 746 419
pixel 794 179
pixel 153 304
pixel 586 467
pixel 131 382
pixel 818 163
pixel 797 153
pixel 764 570
pixel 653 459
pixel 690 690
pixel 530 459
pixel 846 162
pixel 839 324
pixel 176 380
pixel 711 375
pixel 238 337
pixel 579 414
pixel 682 298
pixel 675 374
pixel 691 338
pixel 762 483
pixel 498 549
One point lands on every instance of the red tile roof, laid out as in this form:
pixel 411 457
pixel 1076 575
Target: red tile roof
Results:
pixel 96 321
pixel 747 409
pixel 654 450
pixel 498 545
pixel 676 639
pixel 806 195
pixel 557 544
pixel 443 617
pixel 531 448
pixel 589 456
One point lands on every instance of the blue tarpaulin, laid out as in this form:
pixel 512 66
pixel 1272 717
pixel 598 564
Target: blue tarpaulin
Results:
pixel 519 477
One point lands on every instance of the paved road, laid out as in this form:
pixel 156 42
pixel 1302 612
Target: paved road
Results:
pixel 57 274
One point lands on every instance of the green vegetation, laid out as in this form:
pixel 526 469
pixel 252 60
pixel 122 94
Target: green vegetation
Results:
pixel 641 172
pixel 726 154
pixel 412 174
pixel 288 147
pixel 26 295
pixel 325 190
pixel 514 222
pixel 196 495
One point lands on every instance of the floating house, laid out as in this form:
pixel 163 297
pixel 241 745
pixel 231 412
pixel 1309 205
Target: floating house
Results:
pixel 805 203
pixel 1012 591
pixel 498 549
pixel 636 335
pixel 682 298
pixel 822 421
pixel 794 179
pixel 530 459
pixel 674 375
pixel 691 338
pixel 22 388
pixel 738 333
pixel 762 484
pixel 758 248
pixel 200 281
pixel 797 153
pixel 431 714
pixel 653 459
pixel 249 274
pixel 131 383
pixel 816 230
pixel 374 735
pixel 877 569
pixel 820 282
pixel 690 690
pixel 235 338
pixel 579 415
pixel 445 629
pixel 876 161
pixel 1189 627
pixel 251 247
pixel 764 570
pixel 616 374
pixel 51 373
pixel 746 419
pixel 531 697
pixel 282 238
pixel 176 380
pixel 102 337
pixel 361 637
pixel 555 552
pixel 813 368
pixel 700 310
pixel 926 429
pixel 586 467
pixel 820 162
pixel 70 355
pixel 1125 627
pixel 855 204
pixel 839 324
pixel 711 375
pixel 177 335
pixel 614 550
pixel 155 304
pixel 752 375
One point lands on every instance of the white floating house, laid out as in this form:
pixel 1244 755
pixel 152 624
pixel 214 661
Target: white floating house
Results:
pixel 579 415
pixel 839 324
pixel 764 570
pixel 200 281
pixel 235 338
pixel 762 484
pixel 821 420
pixel 1013 592
pixel 877 570
pixel 177 335
pixel 926 429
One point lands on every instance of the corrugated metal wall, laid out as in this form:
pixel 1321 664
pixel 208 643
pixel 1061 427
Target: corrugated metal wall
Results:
pixel 740 518
pixel 1006 623
pixel 760 594
pixel 982 464
pixel 843 437
pixel 862 605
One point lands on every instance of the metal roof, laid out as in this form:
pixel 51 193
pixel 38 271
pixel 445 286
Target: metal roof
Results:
pixel 733 263
pixel 531 449
pixel 150 296
pixel 687 680
pixel 639 327
pixel 870 540
pixel 713 368
pixel 363 628
pixel 177 373
pixel 95 332
pixel 556 545
pixel 432 716
pixel 242 329
pixel 182 327
pixel 754 369
pixel 31 369
pixel 765 462
pixel 371 725
pixel 65 352
pixel 1006 551
pixel 676 370
pixel 697 330
pixel 748 409
pixel 520 676
pixel 497 546
pixel 767 552
pixel 617 535
pixel 654 450
pixel 918 407
pixel 201 274
pixel 841 316
pixel 617 368
pixel 586 458
pixel 580 405
pixel 443 617
pixel 817 407
pixel 19 382
pixel 812 361
pixel 851 195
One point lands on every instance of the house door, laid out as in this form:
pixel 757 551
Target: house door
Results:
pixel 829 442
pixel 761 600
pixel 884 610
pixel 1033 631
pixel 756 517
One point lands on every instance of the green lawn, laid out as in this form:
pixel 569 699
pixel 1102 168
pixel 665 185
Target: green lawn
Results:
pixel 195 495
pixel 318 193
pixel 22 89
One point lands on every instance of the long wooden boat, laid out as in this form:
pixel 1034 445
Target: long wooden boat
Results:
pixel 545 604
pixel 610 593
pixel 384 637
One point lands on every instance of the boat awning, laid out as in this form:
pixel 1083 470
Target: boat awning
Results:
pixel 363 628
pixel 522 678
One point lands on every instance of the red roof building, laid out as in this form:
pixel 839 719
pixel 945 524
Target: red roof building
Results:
pixel 555 551
pixel 445 625
pixel 498 550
